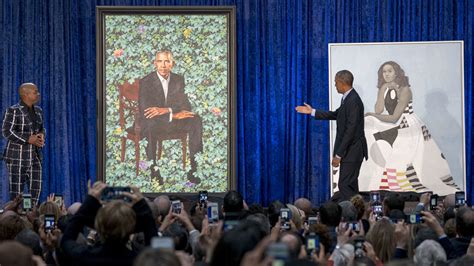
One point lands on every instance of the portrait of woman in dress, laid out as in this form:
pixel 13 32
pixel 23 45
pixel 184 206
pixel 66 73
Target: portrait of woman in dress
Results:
pixel 403 156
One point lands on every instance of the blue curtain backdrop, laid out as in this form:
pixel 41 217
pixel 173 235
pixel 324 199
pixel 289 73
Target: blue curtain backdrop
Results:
pixel 282 60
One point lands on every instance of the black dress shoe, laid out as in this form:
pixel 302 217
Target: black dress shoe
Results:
pixel 193 179
pixel 155 174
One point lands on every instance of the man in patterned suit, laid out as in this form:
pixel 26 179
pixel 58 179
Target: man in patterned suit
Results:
pixel 23 128
pixel 165 107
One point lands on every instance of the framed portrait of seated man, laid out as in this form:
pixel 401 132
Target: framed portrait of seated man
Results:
pixel 166 98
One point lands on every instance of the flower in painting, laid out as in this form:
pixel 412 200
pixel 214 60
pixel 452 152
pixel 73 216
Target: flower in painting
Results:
pixel 118 53
pixel 187 33
pixel 216 111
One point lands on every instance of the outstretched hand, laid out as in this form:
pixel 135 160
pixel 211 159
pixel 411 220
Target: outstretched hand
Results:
pixel 306 109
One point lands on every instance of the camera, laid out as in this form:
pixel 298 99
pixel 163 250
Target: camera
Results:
pixel 312 243
pixel 359 247
pixel 202 198
pixel 433 201
pixel 459 199
pixel 165 243
pixel 375 196
pixel 49 222
pixel 378 211
pixel 115 193
pixel 279 252
pixel 414 218
pixel 354 226
pixel 176 206
pixel 212 212
pixel 285 217
pixel 58 199
pixel 27 205
pixel 312 220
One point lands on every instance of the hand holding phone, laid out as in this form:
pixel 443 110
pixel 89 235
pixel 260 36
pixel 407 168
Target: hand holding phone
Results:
pixel 27 204
pixel 115 193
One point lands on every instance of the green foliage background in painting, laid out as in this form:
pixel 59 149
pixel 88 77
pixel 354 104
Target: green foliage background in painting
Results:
pixel 200 47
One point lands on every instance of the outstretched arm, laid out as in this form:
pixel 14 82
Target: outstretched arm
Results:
pixel 403 100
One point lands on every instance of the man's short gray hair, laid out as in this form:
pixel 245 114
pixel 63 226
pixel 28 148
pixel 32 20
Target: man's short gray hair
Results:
pixel 345 76
pixel 429 252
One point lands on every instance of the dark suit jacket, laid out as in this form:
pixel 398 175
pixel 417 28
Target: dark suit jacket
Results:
pixel 17 128
pixel 115 253
pixel 152 95
pixel 350 143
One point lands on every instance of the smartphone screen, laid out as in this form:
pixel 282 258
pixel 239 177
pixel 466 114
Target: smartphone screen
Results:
pixel 285 216
pixel 378 211
pixel 312 243
pixel 27 205
pixel 375 196
pixel 115 193
pixel 212 212
pixel 165 243
pixel 176 206
pixel 49 222
pixel 354 226
pixel 459 199
pixel 312 220
pixel 359 248
pixel 414 219
pixel 433 202
pixel 279 252
pixel 202 197
pixel 58 199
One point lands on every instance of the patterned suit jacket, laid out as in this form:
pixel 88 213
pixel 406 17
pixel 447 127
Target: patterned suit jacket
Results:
pixel 17 128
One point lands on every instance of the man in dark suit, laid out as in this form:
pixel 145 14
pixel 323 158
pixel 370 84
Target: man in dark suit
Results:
pixel 165 109
pixel 23 128
pixel 350 146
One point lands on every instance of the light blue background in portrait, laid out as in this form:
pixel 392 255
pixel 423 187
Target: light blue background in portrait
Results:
pixel 435 72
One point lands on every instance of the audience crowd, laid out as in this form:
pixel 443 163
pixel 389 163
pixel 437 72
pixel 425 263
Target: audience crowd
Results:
pixel 130 229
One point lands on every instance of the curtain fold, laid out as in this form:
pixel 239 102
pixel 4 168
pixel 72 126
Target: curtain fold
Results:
pixel 282 61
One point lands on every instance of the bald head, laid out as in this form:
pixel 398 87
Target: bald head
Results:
pixel 305 205
pixel 163 203
pixel 29 93
pixel 25 87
